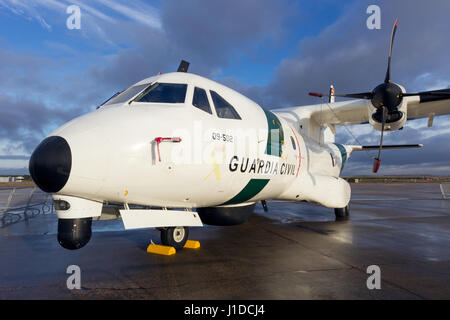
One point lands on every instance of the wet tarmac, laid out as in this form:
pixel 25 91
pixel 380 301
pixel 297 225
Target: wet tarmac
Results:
pixel 294 251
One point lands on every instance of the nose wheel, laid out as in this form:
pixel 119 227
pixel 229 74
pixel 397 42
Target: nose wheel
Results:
pixel 342 213
pixel 175 237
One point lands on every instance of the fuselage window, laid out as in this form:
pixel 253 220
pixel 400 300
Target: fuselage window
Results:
pixel 164 93
pixel 200 100
pixel 223 108
pixel 293 143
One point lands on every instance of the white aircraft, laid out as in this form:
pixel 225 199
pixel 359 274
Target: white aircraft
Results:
pixel 176 142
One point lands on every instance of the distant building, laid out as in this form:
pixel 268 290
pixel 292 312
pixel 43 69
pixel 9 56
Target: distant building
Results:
pixel 12 179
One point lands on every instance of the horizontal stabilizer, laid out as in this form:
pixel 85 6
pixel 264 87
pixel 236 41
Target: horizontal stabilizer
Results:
pixel 376 147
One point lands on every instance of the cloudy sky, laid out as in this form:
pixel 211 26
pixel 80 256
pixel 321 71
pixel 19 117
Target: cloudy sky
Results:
pixel 273 51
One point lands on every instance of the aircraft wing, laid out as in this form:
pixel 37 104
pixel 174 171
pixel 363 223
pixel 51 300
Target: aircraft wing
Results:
pixel 425 106
pixel 357 111
pixel 338 113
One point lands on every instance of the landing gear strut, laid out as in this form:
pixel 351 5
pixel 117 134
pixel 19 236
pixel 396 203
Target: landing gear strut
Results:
pixel 342 213
pixel 175 237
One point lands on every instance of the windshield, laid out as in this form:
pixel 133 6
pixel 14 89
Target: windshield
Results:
pixel 127 94
pixel 164 93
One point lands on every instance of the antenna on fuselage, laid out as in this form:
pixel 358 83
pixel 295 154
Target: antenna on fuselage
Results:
pixel 184 66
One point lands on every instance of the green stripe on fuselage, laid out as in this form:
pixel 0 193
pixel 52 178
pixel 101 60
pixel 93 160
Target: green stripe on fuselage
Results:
pixel 275 135
pixel 343 154
pixel 253 187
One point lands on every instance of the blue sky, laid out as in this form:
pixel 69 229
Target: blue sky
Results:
pixel 272 51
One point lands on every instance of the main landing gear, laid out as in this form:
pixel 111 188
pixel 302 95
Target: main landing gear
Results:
pixel 174 237
pixel 342 213
pixel 172 240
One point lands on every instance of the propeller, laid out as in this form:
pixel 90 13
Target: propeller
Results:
pixel 386 98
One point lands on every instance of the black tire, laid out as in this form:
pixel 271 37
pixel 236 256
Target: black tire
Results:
pixel 175 237
pixel 342 213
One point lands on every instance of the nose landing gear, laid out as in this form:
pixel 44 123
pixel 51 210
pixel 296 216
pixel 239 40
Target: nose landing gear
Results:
pixel 342 213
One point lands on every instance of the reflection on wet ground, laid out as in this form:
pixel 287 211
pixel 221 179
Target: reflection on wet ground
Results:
pixel 293 251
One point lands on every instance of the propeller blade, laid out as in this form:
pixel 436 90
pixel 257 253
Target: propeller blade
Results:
pixel 316 94
pixel 428 93
pixel 376 165
pixel 377 160
pixel 388 72
pixel 364 95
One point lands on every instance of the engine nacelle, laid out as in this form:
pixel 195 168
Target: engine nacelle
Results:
pixel 396 119
pixel 225 216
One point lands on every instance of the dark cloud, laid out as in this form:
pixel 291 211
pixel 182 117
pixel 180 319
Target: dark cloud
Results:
pixel 25 122
pixel 256 93
pixel 433 158
pixel 34 101
pixel 206 33
pixel 152 52
pixel 19 70
pixel 209 32
pixel 14 157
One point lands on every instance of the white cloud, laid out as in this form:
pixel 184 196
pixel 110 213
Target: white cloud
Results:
pixel 142 13
pixel 29 10
pixel 136 11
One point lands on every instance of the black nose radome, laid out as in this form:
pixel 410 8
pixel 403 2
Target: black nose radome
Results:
pixel 50 164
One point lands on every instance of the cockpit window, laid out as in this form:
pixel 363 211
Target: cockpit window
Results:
pixel 223 108
pixel 106 101
pixel 163 93
pixel 200 100
pixel 127 94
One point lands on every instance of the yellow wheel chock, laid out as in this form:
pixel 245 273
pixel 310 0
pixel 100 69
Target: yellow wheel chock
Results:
pixel 163 250
pixel 191 244
pixel 168 251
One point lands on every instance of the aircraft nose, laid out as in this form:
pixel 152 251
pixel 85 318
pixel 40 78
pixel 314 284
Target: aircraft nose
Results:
pixel 50 164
